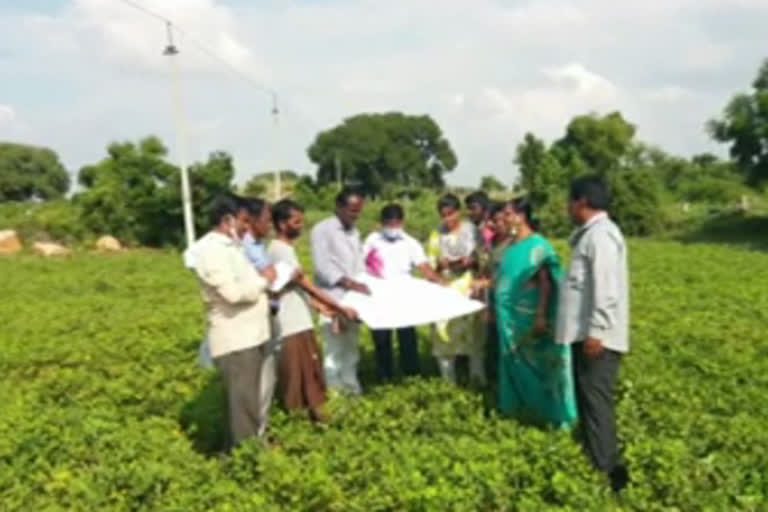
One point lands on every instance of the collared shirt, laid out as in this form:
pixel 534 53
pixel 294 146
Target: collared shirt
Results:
pixel 387 258
pixel 336 253
pixel 594 299
pixel 234 295
pixel 256 251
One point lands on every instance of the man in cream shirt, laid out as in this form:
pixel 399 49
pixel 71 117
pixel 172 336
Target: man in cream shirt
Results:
pixel 237 309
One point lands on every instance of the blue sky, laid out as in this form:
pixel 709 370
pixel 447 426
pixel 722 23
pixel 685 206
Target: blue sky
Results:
pixel 78 74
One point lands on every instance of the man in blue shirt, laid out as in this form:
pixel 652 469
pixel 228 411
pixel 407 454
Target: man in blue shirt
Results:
pixel 260 225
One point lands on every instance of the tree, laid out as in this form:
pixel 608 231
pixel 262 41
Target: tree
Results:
pixel 540 172
pixel 371 150
pixel 744 125
pixel 29 172
pixel 599 143
pixel 135 194
pixel 263 184
pixel 491 183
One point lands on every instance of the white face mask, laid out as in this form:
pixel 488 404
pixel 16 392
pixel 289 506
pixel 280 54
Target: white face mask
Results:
pixel 233 230
pixel 392 233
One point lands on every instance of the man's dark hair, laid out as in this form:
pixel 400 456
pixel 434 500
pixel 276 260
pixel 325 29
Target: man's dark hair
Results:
pixel 591 188
pixel 392 212
pixel 347 193
pixel 497 207
pixel 254 206
pixel 223 206
pixel 478 197
pixel 448 201
pixel 282 210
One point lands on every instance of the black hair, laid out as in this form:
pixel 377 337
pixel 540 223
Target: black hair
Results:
pixel 448 201
pixel 347 193
pixel 522 205
pixel 593 189
pixel 282 210
pixel 224 205
pixel 254 206
pixel 392 212
pixel 497 207
pixel 478 197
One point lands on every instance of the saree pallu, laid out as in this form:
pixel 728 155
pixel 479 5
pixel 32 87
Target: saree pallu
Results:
pixel 535 380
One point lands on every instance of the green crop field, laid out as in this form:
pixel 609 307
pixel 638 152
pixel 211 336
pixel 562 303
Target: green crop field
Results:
pixel 102 406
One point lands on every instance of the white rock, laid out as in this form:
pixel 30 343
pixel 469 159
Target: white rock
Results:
pixel 108 244
pixel 49 249
pixel 9 242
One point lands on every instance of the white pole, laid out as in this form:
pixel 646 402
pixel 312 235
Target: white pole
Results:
pixel 276 119
pixel 181 147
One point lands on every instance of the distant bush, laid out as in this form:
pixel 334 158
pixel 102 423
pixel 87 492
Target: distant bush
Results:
pixel 58 220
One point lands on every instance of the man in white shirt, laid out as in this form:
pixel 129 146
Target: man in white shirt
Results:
pixel 391 253
pixel 337 260
pixel 237 309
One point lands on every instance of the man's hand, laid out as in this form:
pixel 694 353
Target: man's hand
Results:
pixel 298 276
pixel 540 325
pixel 593 348
pixel 466 262
pixel 349 313
pixel 354 286
pixel 269 273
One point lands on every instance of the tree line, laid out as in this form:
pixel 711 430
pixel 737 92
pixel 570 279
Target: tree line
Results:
pixel 134 191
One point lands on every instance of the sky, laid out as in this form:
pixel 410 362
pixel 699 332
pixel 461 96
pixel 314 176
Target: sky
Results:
pixel 76 75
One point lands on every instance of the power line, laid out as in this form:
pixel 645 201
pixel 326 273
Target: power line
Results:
pixel 206 50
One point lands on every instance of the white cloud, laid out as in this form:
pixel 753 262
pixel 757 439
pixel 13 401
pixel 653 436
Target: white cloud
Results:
pixel 487 71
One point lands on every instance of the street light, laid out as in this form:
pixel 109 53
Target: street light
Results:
pixel 276 119
pixel 186 196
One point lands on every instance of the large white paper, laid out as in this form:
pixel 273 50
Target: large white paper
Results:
pixel 407 301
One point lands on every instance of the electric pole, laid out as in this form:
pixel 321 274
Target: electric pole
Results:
pixel 172 51
pixel 276 122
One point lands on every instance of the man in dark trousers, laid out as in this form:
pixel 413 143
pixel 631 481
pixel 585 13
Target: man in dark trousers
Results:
pixel 594 319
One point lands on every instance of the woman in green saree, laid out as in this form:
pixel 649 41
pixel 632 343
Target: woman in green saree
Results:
pixel 535 379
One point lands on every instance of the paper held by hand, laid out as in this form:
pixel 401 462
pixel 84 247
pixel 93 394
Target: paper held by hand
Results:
pixel 285 272
pixel 406 302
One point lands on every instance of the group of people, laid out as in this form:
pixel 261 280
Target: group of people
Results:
pixel 551 340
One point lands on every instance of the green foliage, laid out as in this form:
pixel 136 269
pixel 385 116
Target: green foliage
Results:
pixel 636 201
pixel 58 220
pixel 135 194
pixel 744 125
pixel 600 143
pixel 373 150
pixel 491 184
pixel 263 184
pixel 104 409
pixel 29 172
pixel 592 144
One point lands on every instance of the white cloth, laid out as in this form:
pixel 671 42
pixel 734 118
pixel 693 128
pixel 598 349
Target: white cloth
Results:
pixel 342 354
pixel 399 257
pixel 407 301
pixel 234 295
pixel 204 359
pixel 294 315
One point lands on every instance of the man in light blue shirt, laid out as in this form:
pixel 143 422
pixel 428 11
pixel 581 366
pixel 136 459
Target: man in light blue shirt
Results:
pixel 593 317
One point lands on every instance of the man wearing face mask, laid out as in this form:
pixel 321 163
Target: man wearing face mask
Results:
pixel 391 253
pixel 236 304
